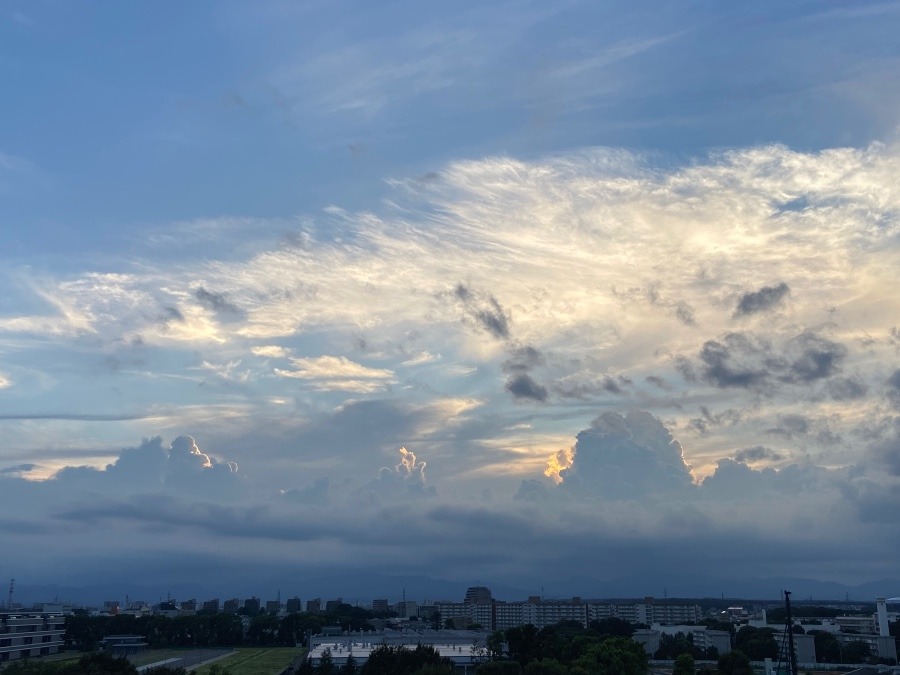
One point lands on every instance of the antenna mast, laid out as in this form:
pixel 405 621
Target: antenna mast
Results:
pixel 12 585
pixel 792 656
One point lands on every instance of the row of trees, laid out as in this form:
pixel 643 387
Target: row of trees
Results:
pixel 211 630
pixel 95 664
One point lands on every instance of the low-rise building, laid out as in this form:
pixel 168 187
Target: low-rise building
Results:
pixel 123 645
pixel 29 634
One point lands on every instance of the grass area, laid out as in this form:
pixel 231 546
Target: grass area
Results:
pixel 62 657
pixel 258 661
pixel 155 656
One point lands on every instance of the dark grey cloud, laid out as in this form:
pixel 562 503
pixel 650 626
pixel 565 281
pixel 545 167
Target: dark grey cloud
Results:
pixel 763 300
pixel 18 469
pixel 659 382
pixel 685 313
pixel 85 417
pixel 710 420
pixel 790 426
pixel 172 314
pixel 626 456
pixel 757 453
pixel 812 357
pixel 532 490
pixel 524 387
pixel 485 310
pixel 684 368
pixel 744 360
pixel 217 302
pixel 733 479
pixel 847 388
pixel 893 388
pixel 523 359
pixel 151 466
pixel 317 493
pixel 885 450
pixel 725 362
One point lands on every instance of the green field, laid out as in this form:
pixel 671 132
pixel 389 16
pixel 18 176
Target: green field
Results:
pixel 261 661
pixel 155 656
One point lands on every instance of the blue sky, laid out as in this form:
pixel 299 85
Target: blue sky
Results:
pixel 581 260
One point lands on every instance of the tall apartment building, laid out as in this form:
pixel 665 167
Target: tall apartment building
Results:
pixel 293 606
pixel 647 612
pixel 211 606
pixel 477 595
pixel 314 606
pixel 232 606
pixel 26 634
pixel 380 606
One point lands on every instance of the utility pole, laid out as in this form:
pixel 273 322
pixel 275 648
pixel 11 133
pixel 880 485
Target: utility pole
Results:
pixel 792 657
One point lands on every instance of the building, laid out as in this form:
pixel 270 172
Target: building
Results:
pixel 856 624
pixel 647 612
pixel 273 606
pixel 465 658
pixel 407 608
pixel 380 606
pixel 293 606
pixel 28 634
pixel 882 646
pixel 123 645
pixel 332 605
pixel 478 595
pixel 251 605
pixel 704 638
pixel 314 606
pixel 804 649
pixel 232 606
pixel 211 606
pixel 189 605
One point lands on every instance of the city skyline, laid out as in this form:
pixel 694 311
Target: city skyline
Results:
pixel 492 292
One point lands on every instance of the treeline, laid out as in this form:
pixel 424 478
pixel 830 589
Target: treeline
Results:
pixel 95 664
pixel 84 632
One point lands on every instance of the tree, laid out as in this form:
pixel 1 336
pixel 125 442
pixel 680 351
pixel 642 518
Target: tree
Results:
pixel 494 644
pixel 388 660
pixel 614 656
pixel 828 649
pixel 522 642
pixel 856 652
pixel 349 666
pixel 326 665
pixel 735 662
pixel 435 620
pixel 611 626
pixel 757 643
pixel 684 665
pixel 436 669
pixel 498 668
pixel 671 646
pixel 546 667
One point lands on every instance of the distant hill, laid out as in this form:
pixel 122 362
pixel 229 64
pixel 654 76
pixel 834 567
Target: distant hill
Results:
pixel 363 587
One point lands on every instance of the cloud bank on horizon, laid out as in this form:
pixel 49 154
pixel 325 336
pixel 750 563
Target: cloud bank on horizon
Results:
pixel 633 358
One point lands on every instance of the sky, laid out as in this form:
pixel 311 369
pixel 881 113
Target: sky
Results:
pixel 543 295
